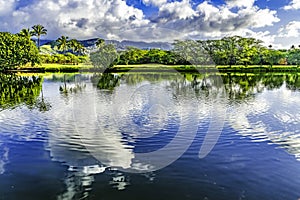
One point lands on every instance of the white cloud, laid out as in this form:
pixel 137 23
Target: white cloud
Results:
pixel 115 19
pixel 212 13
pixel 78 18
pixel 294 4
pixel 239 3
pixel 180 10
pixel 154 2
pixel 292 29
pixel 258 18
pixel 6 6
pixel 217 21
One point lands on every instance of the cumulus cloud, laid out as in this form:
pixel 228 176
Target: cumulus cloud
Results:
pixel 154 2
pixel 78 18
pixel 209 20
pixel 294 4
pixel 6 6
pixel 115 19
pixel 176 9
pixel 292 29
pixel 239 3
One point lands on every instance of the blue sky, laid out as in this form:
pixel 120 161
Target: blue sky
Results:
pixel 276 22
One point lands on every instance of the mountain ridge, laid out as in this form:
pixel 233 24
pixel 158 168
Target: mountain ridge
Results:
pixel 120 45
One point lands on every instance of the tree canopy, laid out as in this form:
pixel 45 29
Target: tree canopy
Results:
pixel 16 50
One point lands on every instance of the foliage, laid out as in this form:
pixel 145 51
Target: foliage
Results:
pixel 76 47
pixel 26 33
pixel 227 51
pixel 230 51
pixel 138 56
pixel 105 57
pixel 68 58
pixel 293 57
pixel 63 44
pixel 16 50
pixel 191 52
pixel 37 31
pixel 100 43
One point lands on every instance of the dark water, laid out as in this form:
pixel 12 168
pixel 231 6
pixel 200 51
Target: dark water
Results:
pixel 150 136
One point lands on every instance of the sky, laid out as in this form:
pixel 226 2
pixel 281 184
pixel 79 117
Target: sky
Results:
pixel 275 22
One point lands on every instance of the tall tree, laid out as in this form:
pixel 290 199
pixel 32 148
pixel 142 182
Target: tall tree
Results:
pixel 100 43
pixel 73 44
pixel 25 32
pixel 76 46
pixel 105 57
pixel 37 31
pixel 63 43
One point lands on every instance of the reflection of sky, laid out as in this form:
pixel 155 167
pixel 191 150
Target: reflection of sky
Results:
pixel 3 158
pixel 110 124
pixel 271 116
pixel 74 139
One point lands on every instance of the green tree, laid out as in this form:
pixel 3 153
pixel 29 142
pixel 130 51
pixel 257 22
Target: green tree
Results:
pixel 100 43
pixel 16 50
pixel 63 43
pixel 26 33
pixel 76 46
pixel 38 31
pixel 105 57
pixel 293 56
pixel 191 52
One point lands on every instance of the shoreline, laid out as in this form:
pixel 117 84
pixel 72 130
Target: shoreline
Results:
pixel 155 68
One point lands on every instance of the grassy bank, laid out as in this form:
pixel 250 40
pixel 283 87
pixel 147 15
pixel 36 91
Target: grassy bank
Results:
pixel 159 68
pixel 206 68
pixel 259 68
pixel 55 68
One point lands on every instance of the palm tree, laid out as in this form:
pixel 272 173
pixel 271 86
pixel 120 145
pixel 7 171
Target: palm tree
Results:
pixel 25 32
pixel 37 31
pixel 73 44
pixel 79 49
pixel 76 46
pixel 100 43
pixel 63 43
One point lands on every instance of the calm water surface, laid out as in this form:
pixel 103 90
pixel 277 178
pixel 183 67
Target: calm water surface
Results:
pixel 150 136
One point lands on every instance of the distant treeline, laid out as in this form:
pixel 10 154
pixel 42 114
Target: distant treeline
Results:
pixel 19 49
pixel 226 51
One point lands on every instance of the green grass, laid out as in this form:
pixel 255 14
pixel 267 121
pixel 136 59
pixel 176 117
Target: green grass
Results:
pixel 160 67
pixel 56 68
pixel 259 68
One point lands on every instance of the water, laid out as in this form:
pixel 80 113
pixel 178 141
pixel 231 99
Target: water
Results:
pixel 150 136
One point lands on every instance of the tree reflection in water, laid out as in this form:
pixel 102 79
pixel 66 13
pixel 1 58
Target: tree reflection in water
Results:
pixel 22 90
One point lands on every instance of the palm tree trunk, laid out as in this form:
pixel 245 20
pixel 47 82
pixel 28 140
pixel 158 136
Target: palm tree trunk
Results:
pixel 39 43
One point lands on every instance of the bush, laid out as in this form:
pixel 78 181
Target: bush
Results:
pixel 68 58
